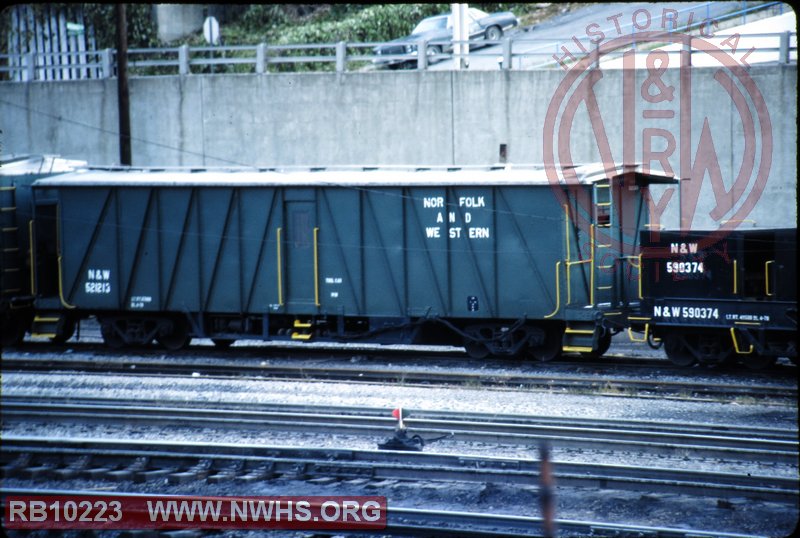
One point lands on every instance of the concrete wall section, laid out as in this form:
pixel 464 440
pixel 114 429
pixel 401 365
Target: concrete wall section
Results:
pixel 444 118
pixel 76 119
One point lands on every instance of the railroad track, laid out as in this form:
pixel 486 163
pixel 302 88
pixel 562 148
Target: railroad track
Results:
pixel 727 442
pixel 179 462
pixel 415 522
pixel 547 381
pixel 620 357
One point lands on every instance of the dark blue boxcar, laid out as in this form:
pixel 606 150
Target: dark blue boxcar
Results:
pixel 499 260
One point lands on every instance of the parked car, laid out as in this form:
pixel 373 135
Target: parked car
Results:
pixel 438 32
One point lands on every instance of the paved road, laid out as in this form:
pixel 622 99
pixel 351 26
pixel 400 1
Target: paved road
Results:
pixel 546 39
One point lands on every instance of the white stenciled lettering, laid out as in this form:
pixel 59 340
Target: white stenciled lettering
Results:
pixel 98 287
pixel 98 281
pixel 472 201
pixel 683 248
pixel 433 201
pixel 432 231
pixel 685 267
pixel 686 312
pixel 479 233
pixel 139 301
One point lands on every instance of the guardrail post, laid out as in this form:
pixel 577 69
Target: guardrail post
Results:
pixel 783 54
pixel 107 64
pixel 261 58
pixel 341 57
pixel 506 53
pixel 183 59
pixel 29 60
pixel 422 55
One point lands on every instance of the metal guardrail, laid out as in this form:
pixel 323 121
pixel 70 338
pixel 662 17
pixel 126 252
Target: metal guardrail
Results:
pixel 258 58
pixel 343 56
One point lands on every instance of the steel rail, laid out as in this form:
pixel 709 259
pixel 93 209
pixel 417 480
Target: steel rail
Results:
pixel 417 522
pixel 739 444
pixel 620 358
pixel 597 385
pixel 306 463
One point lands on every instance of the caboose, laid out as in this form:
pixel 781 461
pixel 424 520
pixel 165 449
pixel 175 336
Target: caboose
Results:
pixel 501 260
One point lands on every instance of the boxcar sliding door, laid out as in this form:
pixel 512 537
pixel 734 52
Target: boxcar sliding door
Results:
pixel 300 246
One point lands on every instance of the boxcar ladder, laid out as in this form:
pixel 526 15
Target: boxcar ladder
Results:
pixel 11 275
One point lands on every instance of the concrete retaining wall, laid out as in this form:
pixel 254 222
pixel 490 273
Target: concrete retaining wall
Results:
pixel 452 118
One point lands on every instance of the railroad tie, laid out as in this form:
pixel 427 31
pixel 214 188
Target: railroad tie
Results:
pixel 197 472
pixel 98 472
pixel 227 473
pixel 39 471
pixel 262 472
pixel 151 475
pixel 74 469
pixel 128 473
pixel 14 469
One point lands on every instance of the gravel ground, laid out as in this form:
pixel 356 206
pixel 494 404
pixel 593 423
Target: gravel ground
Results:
pixel 734 516
pixel 642 508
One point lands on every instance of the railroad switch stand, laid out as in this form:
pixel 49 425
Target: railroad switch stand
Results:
pixel 402 441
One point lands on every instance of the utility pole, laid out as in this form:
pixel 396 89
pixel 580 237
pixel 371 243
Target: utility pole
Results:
pixel 123 98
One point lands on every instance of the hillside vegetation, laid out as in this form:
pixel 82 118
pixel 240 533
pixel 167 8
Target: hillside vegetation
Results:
pixel 328 23
pixel 300 23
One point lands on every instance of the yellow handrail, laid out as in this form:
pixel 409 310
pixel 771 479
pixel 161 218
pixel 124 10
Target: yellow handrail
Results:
pixel 644 338
pixel 61 288
pixel 566 229
pixel 280 284
pixel 736 344
pixel 591 270
pixel 766 279
pixel 646 330
pixel 639 267
pixel 735 278
pixel 58 249
pixel 33 257
pixel 558 293
pixel 316 268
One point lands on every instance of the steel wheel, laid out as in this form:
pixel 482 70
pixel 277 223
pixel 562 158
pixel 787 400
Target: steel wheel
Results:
pixel 677 352
pixel 550 350
pixel 174 335
pixel 754 361
pixel 475 349
pixel 14 328
pixel 110 336
pixel 66 328
pixel 602 346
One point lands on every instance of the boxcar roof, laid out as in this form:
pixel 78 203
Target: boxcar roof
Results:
pixel 384 176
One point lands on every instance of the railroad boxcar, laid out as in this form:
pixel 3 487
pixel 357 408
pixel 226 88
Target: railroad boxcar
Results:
pixel 713 296
pixel 497 259
pixel 17 174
